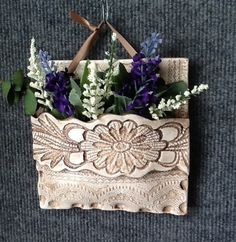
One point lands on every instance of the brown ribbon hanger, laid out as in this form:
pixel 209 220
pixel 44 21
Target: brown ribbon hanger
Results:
pixel 85 48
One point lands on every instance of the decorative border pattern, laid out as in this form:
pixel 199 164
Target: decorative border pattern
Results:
pixel 111 146
pixel 157 192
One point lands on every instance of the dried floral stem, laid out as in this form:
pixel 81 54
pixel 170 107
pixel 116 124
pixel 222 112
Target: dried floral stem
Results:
pixel 111 70
pixel 94 93
pixel 37 75
pixel 167 105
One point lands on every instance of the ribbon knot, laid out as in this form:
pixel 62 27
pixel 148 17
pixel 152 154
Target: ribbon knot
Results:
pixel 85 48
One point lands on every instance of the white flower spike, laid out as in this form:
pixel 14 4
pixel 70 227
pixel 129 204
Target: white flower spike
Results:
pixel 38 77
pixel 93 93
pixel 174 104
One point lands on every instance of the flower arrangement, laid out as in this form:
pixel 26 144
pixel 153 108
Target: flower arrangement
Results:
pixel 141 91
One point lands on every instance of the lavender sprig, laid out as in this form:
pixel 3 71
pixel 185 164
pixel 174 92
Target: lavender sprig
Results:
pixel 150 45
pixel 45 61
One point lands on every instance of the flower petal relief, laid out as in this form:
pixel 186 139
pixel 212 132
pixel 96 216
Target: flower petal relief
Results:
pixel 122 146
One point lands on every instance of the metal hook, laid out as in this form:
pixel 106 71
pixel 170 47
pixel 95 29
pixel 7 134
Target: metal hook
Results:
pixel 105 10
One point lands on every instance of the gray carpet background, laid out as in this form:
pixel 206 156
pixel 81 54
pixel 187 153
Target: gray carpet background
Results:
pixel 202 30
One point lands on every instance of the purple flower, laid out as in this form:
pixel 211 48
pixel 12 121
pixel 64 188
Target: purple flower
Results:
pixel 58 84
pixel 140 101
pixel 144 82
pixel 145 70
pixel 63 105
pixel 143 85
pixel 138 57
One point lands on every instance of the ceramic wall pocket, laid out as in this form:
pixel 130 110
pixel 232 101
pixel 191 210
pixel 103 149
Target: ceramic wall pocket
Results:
pixel 117 162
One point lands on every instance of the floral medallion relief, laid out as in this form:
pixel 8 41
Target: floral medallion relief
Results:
pixel 113 145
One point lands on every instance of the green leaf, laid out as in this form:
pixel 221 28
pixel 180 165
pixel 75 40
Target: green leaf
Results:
pixel 101 74
pixel 75 95
pixel 174 89
pixel 120 103
pixel 78 114
pixel 110 109
pixel 11 96
pixel 119 79
pixel 17 97
pixel 18 79
pixel 6 86
pixel 75 86
pixel 57 114
pixel 30 102
pixel 84 78
pixel 75 98
pixel 27 81
pixel 161 92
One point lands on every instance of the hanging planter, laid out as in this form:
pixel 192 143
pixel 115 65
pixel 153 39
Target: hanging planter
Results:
pixel 109 134
pixel 117 162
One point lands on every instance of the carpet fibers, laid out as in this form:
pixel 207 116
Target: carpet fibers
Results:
pixel 202 30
